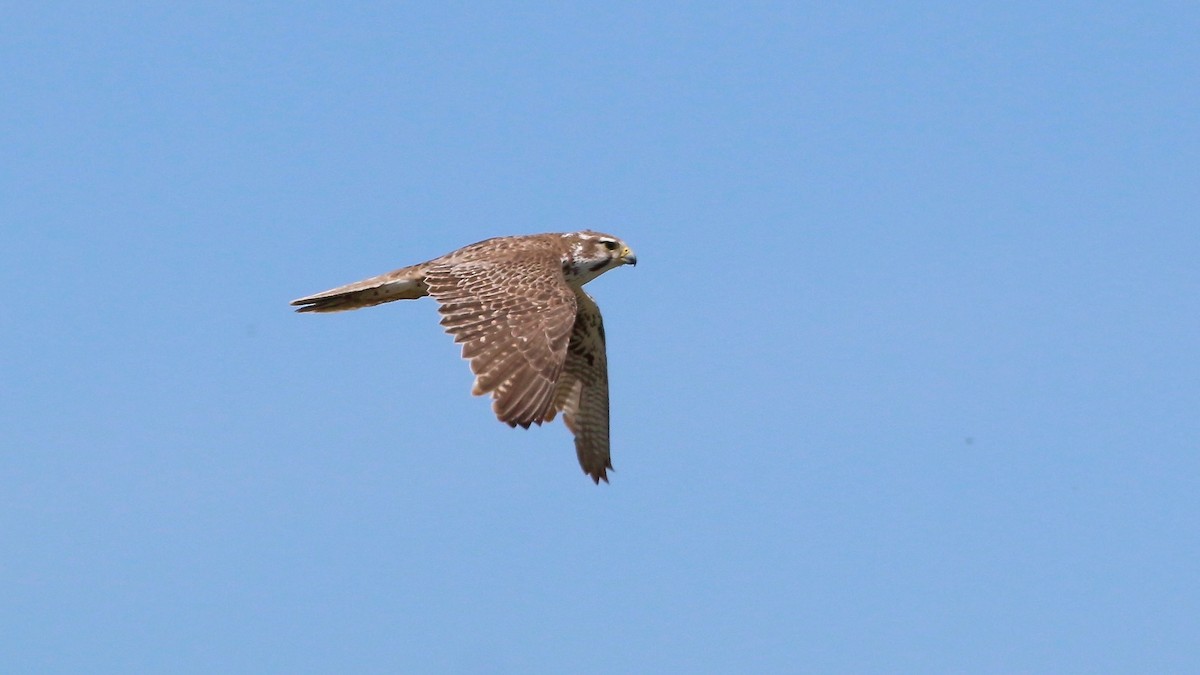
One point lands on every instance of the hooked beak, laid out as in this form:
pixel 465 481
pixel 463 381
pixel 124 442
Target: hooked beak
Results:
pixel 628 256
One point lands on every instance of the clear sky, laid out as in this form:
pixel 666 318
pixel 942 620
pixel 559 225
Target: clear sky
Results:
pixel 906 379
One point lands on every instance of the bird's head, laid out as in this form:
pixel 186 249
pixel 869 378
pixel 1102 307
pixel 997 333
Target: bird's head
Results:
pixel 590 254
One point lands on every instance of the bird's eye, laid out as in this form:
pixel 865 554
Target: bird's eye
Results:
pixel 610 244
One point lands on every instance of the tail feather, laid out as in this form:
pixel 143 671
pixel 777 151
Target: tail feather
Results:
pixel 403 284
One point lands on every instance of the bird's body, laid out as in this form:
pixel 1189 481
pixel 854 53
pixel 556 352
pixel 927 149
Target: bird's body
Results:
pixel 534 338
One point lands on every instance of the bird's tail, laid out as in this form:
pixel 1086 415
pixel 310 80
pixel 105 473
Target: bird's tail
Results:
pixel 407 283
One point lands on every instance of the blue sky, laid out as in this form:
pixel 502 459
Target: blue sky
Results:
pixel 906 379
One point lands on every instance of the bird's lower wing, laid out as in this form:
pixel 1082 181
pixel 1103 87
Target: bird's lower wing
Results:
pixel 582 393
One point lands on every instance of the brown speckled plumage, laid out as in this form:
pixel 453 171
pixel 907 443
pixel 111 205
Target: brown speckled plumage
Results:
pixel 533 337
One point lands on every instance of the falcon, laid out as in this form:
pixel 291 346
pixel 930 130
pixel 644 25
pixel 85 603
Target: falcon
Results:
pixel 533 337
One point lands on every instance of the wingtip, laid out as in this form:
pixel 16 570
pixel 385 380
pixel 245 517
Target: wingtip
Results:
pixel 600 474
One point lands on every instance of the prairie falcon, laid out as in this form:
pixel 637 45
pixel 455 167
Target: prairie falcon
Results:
pixel 534 338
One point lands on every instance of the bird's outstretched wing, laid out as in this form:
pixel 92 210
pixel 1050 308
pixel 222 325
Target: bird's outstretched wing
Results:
pixel 582 393
pixel 513 318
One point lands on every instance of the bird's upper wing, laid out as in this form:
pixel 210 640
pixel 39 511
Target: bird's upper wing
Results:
pixel 582 393
pixel 513 318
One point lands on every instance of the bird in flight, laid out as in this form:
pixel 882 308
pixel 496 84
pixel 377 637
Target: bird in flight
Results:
pixel 534 338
